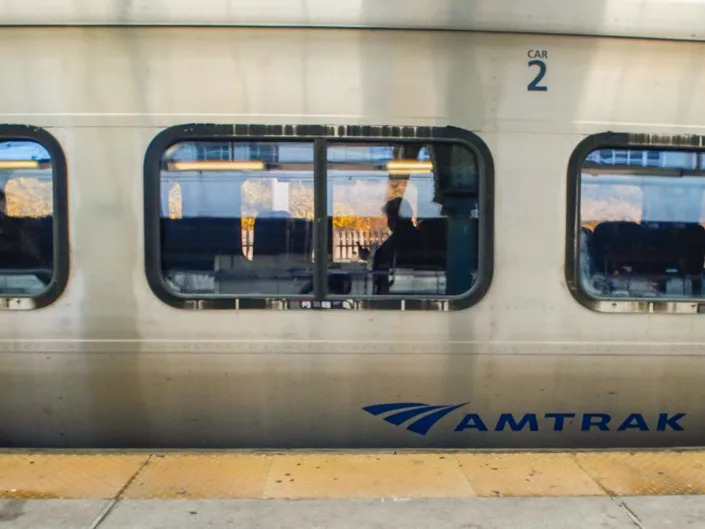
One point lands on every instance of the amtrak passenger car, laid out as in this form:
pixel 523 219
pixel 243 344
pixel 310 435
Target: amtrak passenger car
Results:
pixel 352 224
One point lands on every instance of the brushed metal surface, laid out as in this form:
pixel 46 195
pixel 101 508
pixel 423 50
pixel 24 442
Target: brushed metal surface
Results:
pixel 109 365
pixel 670 19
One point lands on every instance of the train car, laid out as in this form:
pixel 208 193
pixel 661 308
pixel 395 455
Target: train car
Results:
pixel 275 224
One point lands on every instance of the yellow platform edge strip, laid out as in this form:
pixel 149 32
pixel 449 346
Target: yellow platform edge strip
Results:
pixel 352 474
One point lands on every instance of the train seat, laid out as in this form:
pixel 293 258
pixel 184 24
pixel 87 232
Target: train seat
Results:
pixel 28 242
pixel 277 234
pixel 658 250
pixel 434 234
pixel 193 243
pixel 271 234
pixel 615 245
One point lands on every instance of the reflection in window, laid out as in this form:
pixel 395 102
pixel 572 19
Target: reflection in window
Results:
pixel 402 219
pixel 26 218
pixel 236 218
pixel 642 220
pixel 174 201
pixel 261 197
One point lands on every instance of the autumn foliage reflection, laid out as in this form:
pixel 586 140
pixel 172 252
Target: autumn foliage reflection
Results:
pixel 28 197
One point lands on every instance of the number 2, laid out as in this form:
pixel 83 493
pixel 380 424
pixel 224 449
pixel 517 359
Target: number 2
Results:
pixel 534 85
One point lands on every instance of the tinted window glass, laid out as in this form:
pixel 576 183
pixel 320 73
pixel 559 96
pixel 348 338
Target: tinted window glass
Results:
pixel 236 218
pixel 318 217
pixel 403 218
pixel 26 218
pixel 642 217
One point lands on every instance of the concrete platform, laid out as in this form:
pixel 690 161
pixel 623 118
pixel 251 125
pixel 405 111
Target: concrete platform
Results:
pixel 345 490
pixel 646 512
pixel 57 514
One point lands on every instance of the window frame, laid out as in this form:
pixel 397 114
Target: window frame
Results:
pixel 618 140
pixel 319 135
pixel 60 235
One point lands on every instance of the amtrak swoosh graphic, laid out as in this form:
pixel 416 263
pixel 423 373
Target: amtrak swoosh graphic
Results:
pixel 419 418
pixel 400 412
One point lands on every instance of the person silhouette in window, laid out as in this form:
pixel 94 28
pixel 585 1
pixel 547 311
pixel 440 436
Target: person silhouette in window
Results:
pixel 400 250
pixel 5 241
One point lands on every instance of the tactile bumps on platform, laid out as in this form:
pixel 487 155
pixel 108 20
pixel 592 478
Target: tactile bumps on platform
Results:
pixel 367 475
pixel 527 474
pixel 644 473
pixel 205 475
pixel 90 476
pixel 198 475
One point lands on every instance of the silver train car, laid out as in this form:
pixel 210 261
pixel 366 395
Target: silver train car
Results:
pixel 354 224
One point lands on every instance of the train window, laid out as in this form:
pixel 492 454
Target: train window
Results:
pixel 318 217
pixel 236 217
pixel 33 256
pixel 640 222
pixel 393 208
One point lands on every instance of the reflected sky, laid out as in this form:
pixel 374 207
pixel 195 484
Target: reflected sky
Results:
pixel 23 150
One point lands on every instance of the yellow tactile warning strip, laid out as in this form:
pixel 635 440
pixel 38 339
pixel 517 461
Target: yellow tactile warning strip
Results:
pixel 527 474
pixel 66 476
pixel 235 474
pixel 644 473
pixel 200 476
pixel 365 475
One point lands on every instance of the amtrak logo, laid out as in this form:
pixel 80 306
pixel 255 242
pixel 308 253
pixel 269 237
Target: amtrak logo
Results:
pixel 419 418
pixel 406 411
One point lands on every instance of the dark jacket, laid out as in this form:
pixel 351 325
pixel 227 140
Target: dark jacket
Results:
pixel 402 249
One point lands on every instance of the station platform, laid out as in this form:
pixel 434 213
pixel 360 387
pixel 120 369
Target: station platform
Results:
pixel 439 489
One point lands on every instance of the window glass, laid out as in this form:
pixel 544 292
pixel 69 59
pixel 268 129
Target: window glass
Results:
pixel 402 218
pixel 26 218
pixel 642 218
pixel 236 218
pixel 318 217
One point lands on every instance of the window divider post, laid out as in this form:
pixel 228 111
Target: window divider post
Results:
pixel 320 222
